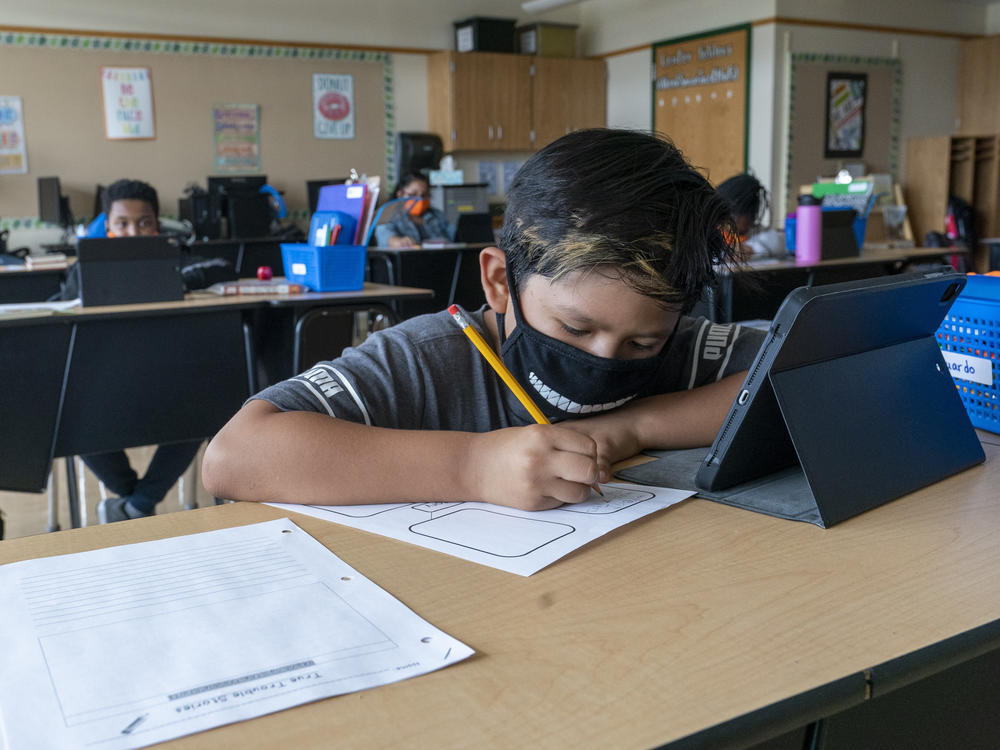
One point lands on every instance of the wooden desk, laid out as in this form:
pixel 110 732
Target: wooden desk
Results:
pixel 757 290
pixel 23 284
pixel 703 625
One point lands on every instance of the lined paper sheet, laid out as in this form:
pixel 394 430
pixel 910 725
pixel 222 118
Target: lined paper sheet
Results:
pixel 132 645
pixel 517 541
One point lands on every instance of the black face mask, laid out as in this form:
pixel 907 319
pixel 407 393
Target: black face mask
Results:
pixel 566 382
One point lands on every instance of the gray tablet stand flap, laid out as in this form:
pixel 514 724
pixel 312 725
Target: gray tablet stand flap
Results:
pixel 867 428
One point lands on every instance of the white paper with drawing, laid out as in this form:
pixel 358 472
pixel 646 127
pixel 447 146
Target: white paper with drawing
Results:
pixel 132 645
pixel 517 541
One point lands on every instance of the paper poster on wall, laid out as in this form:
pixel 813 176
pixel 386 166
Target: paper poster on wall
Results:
pixel 333 106
pixel 700 98
pixel 845 114
pixel 128 103
pixel 13 154
pixel 236 133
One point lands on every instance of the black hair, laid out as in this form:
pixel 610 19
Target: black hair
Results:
pixel 406 179
pixel 746 196
pixel 126 190
pixel 618 199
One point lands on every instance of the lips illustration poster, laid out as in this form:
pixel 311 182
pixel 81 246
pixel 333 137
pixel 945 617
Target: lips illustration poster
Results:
pixel 333 106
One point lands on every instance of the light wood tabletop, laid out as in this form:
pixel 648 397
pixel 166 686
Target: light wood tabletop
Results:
pixel 675 623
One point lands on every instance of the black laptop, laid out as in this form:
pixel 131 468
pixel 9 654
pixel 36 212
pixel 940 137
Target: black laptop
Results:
pixel 127 270
pixel 848 404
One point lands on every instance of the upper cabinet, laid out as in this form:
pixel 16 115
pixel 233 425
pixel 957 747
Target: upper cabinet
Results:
pixel 567 94
pixel 483 101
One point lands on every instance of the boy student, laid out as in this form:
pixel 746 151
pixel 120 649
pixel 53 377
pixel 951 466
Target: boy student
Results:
pixel 131 208
pixel 608 237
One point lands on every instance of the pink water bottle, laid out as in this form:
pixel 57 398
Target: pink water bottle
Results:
pixel 808 229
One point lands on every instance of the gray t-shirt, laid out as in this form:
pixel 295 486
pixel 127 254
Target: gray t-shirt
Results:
pixel 425 374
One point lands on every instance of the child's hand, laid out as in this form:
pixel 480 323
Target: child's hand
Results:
pixel 533 468
pixel 614 435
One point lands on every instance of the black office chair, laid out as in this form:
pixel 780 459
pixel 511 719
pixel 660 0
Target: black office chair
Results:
pixel 324 332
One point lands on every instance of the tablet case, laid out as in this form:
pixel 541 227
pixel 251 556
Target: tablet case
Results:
pixel 127 270
pixel 848 405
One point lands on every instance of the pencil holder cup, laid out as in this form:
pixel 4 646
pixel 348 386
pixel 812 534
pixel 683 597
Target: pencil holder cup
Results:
pixel 333 268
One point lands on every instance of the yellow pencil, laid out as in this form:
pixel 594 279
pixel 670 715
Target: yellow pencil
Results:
pixel 501 369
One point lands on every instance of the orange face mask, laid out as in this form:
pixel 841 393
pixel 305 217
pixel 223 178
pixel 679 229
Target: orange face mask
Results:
pixel 419 206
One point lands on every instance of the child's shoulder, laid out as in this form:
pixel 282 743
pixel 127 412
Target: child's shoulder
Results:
pixel 708 351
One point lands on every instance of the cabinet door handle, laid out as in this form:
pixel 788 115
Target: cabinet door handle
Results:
pixel 491 132
pixel 499 132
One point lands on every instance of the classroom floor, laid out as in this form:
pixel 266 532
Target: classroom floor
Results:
pixel 26 513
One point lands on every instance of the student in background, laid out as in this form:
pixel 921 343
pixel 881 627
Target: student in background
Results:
pixel 608 239
pixel 748 201
pixel 417 220
pixel 131 208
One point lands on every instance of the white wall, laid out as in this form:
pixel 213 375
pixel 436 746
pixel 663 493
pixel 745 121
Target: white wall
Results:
pixel 993 18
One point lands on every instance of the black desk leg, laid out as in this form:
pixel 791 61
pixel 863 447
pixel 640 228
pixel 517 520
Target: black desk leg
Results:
pixel 251 357
pixel 454 278
pixel 72 493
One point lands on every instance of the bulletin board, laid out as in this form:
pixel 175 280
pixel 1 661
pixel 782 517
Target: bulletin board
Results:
pixel 701 100
pixel 59 81
pixel 809 111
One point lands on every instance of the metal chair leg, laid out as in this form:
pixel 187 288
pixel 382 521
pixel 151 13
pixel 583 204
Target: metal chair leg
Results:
pixel 187 486
pixel 53 516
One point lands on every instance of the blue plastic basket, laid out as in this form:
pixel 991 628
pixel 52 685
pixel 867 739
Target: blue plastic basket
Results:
pixel 333 268
pixel 969 338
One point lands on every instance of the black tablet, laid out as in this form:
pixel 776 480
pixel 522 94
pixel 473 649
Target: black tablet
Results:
pixel 126 270
pixel 849 385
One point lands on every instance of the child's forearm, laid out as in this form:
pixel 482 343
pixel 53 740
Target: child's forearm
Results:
pixel 267 455
pixel 685 419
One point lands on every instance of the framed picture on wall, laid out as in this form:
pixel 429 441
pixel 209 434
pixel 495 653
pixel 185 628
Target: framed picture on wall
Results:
pixel 845 114
pixel 128 103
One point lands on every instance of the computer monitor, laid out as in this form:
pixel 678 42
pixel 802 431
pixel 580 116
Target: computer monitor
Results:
pixel 313 187
pixel 238 200
pixel 417 152
pixel 53 206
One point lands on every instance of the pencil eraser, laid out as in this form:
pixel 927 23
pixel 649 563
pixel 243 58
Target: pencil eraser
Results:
pixel 453 309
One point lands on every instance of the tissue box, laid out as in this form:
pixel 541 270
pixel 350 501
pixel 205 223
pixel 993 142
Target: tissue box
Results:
pixel 334 268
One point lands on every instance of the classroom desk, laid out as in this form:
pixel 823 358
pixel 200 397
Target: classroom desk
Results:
pixel 96 379
pixel 21 284
pixel 245 254
pixel 453 274
pixel 757 290
pixel 699 626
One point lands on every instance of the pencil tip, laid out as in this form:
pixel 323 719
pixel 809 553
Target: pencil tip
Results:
pixel 597 489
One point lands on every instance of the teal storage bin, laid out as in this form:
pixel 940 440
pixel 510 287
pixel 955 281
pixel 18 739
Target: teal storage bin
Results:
pixel 334 268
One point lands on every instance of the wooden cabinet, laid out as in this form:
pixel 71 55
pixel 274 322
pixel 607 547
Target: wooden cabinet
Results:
pixel 967 166
pixel 567 95
pixel 482 101
pixel 979 86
